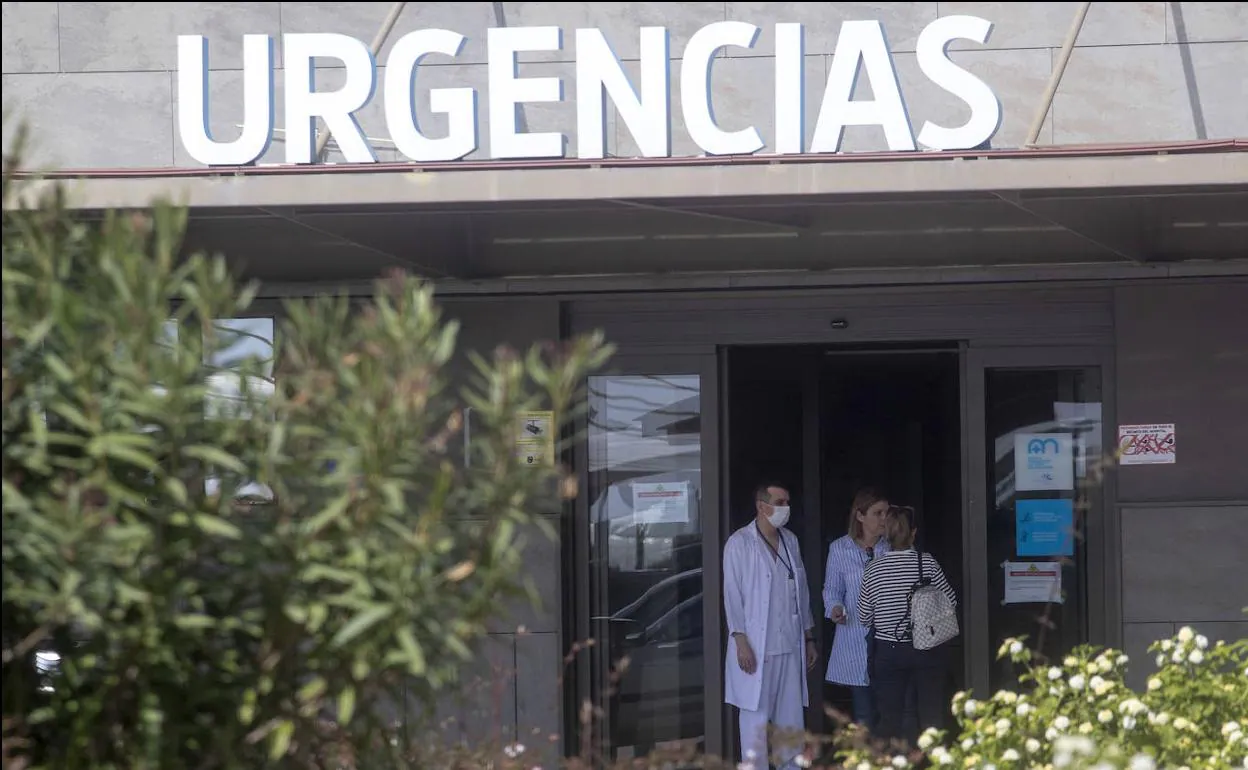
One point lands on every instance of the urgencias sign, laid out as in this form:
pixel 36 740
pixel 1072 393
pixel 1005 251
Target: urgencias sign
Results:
pixel 645 111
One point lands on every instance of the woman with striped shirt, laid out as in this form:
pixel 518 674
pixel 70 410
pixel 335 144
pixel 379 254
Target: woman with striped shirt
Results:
pixel 848 557
pixel 884 607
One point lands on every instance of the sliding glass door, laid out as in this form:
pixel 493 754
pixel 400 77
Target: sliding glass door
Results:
pixel 647 555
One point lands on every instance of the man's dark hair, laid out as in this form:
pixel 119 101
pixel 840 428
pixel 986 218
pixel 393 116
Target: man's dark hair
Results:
pixel 761 493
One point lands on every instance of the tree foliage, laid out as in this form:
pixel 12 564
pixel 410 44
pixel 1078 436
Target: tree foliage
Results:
pixel 198 629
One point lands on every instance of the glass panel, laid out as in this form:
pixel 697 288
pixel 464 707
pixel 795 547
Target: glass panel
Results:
pixel 1043 442
pixel 243 341
pixel 645 493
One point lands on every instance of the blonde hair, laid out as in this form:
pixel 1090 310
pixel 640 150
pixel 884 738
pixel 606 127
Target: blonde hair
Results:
pixel 866 497
pixel 899 527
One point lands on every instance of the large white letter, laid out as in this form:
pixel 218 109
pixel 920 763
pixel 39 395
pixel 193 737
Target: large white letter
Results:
pixel 458 104
pixel 933 60
pixel 257 102
pixel 790 88
pixel 507 90
pixel 599 70
pixel 695 89
pixel 861 42
pixel 304 104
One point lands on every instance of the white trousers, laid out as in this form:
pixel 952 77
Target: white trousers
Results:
pixel 779 704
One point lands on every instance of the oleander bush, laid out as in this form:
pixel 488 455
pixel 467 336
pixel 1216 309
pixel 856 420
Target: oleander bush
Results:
pixel 216 560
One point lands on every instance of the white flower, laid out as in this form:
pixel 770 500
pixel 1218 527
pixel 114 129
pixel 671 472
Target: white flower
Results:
pixel 927 739
pixel 971 706
pixel 1202 641
pixel 968 744
pixel 1077 682
pixel 1010 755
pixel 1229 728
pixel 1032 745
pixel 1196 657
pixel 514 750
pixel 1154 684
pixel 1062 723
pixel 1132 706
pixel 1161 660
pixel 801 760
pixel 1086 728
pixel 1123 659
pixel 899 762
pixel 1050 735
pixel 1128 723
pixel 1003 726
pixel 1177 656
pixel 1186 634
pixel 1070 661
pixel 1023 709
pixel 1055 673
pixel 1016 647
pixel 1105 716
pixel 1181 724
pixel 1142 762
pixel 864 766
pixel 1162 719
pixel 1099 685
pixel 1166 645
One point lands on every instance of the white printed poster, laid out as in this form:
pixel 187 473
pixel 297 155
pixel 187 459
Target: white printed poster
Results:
pixel 1146 444
pixel 662 503
pixel 1032 582
pixel 1044 462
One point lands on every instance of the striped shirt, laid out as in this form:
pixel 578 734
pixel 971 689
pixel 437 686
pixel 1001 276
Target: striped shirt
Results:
pixel 842 582
pixel 886 585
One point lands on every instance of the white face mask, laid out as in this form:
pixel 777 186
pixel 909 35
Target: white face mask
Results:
pixel 779 516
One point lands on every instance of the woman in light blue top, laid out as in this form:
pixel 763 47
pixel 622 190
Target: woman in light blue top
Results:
pixel 848 557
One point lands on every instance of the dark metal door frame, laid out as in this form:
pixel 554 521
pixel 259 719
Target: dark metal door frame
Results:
pixel 1104 563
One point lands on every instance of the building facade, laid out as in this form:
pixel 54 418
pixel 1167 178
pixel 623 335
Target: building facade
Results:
pixel 915 287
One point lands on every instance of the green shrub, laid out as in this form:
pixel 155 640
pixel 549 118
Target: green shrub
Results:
pixel 194 630
pixel 1080 714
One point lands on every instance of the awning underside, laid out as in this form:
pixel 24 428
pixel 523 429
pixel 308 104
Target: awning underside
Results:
pixel 644 237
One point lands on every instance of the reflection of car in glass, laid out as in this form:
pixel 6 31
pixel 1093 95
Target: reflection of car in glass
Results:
pixel 659 695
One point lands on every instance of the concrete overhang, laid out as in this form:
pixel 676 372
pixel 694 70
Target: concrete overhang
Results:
pixel 763 219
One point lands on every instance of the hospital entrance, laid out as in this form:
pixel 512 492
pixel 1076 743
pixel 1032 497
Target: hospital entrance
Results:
pixel 825 422
pixel 677 443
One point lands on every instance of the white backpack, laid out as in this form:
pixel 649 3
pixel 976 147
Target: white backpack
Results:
pixel 933 620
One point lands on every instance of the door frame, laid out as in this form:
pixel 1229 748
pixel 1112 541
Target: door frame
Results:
pixel 1104 559
pixel 702 362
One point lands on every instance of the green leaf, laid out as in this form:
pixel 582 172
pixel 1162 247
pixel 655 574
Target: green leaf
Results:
pixel 194 622
pixel 346 704
pixel 312 690
pixel 215 525
pixel 215 457
pixel 416 663
pixel 281 740
pixel 361 623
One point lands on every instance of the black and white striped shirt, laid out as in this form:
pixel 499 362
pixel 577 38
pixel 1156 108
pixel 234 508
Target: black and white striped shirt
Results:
pixel 886 585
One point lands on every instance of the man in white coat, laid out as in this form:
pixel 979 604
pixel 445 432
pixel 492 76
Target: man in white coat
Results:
pixel 770 647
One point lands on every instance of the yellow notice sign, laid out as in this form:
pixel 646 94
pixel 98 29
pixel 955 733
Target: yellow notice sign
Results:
pixel 535 440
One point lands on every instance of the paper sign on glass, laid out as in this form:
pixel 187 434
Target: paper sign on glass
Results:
pixel 661 503
pixel 1147 444
pixel 1044 462
pixel 1032 582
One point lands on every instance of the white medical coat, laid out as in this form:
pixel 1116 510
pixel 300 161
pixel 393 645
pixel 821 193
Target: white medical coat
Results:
pixel 748 564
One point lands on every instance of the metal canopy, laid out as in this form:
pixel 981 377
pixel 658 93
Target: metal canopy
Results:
pixel 769 219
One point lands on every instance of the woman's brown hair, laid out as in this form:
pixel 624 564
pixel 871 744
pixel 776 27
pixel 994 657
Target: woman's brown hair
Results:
pixel 899 527
pixel 866 497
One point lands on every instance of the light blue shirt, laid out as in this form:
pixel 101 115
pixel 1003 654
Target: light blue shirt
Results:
pixel 842 583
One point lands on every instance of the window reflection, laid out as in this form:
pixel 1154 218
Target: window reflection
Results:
pixel 646 556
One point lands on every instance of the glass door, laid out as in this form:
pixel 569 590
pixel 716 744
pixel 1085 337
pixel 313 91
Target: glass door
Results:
pixel 646 552
pixel 1036 535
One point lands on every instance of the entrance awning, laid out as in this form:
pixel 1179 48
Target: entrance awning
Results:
pixel 759 220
